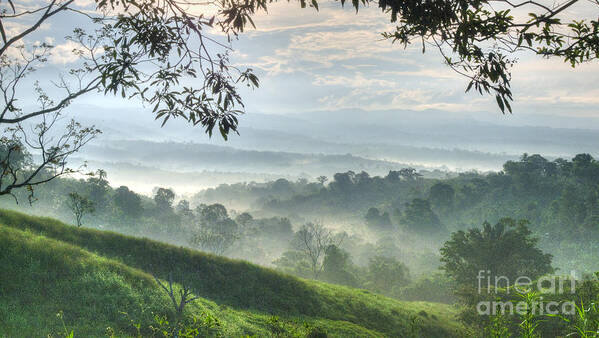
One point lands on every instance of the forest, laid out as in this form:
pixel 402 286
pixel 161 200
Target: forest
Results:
pixel 402 235
pixel 299 169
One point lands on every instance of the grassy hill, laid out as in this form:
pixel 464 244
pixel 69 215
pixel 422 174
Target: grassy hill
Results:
pixel 94 276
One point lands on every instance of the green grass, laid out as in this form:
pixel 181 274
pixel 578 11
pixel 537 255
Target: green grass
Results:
pixel 93 276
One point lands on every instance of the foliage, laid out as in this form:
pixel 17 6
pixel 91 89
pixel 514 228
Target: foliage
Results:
pixel 216 232
pixel 377 220
pixel 115 278
pixel 442 196
pixel 386 275
pixel 134 49
pixel 337 267
pixel 80 206
pixel 504 250
pixel 313 239
pixel 164 199
pixel 432 288
pixel 128 202
pixel 419 217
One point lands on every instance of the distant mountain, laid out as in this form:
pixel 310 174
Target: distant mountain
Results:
pixel 189 167
pixel 372 134
pixel 322 143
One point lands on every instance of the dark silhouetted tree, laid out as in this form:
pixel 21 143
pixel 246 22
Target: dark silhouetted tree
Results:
pixel 377 220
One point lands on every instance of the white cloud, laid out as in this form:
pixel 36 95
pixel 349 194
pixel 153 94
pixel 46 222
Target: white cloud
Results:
pixel 63 53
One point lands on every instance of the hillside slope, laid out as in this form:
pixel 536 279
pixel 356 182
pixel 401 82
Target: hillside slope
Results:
pixel 93 276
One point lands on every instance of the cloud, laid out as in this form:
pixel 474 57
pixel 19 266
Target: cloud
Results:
pixel 63 53
pixel 356 81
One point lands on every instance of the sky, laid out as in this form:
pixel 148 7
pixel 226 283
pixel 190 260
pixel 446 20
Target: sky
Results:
pixel 335 58
pixel 315 64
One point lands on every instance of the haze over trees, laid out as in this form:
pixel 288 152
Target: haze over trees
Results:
pixel 405 234
pixel 500 253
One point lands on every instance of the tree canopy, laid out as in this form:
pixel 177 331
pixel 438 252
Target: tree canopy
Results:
pixel 506 249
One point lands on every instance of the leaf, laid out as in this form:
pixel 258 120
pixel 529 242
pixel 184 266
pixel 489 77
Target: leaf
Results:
pixel 469 86
pixel 500 103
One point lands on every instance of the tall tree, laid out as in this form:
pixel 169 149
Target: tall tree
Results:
pixel 164 199
pixel 313 239
pixel 419 217
pixel 506 249
pixel 128 202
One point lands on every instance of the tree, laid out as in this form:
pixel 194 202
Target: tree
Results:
pixel 186 295
pixel 386 275
pixel 245 218
pixel 214 213
pixel 313 239
pixel 409 174
pixel 343 181
pixel 140 50
pixel 216 238
pixel 336 265
pixel 442 196
pixel 586 167
pixel 183 208
pixel 419 217
pixel 281 186
pixel 322 179
pixel 164 199
pixel 216 232
pixel 377 220
pixel 145 49
pixel 98 190
pixel 506 249
pixel 480 40
pixel 80 206
pixel 128 202
pixel 294 262
pixel 393 176
pixel 185 213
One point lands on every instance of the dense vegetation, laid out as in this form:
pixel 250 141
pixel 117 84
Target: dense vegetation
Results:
pixel 93 276
pixel 405 236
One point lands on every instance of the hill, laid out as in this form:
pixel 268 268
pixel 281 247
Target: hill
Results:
pixel 94 276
